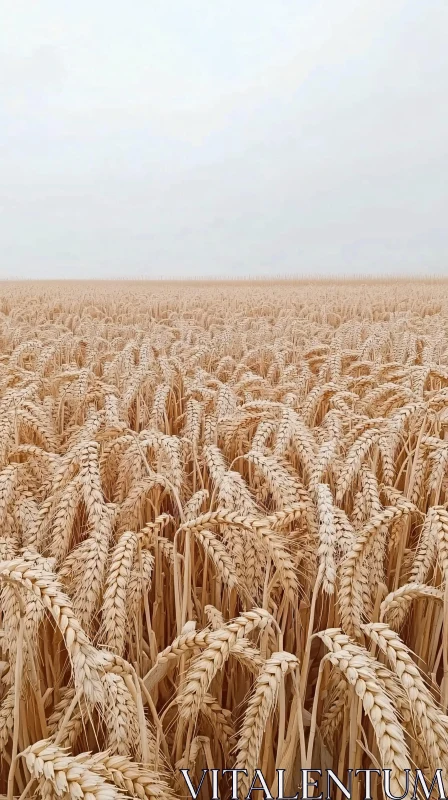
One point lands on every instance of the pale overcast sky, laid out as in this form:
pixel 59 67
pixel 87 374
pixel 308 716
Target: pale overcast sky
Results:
pixel 223 137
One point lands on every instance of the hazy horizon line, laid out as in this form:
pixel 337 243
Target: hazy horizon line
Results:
pixel 358 278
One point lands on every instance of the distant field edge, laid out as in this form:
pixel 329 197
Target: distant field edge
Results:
pixel 302 280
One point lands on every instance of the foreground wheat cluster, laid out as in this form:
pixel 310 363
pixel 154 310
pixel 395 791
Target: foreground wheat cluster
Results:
pixel 224 540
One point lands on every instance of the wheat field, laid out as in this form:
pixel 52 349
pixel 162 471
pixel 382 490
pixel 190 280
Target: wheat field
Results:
pixel 224 534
